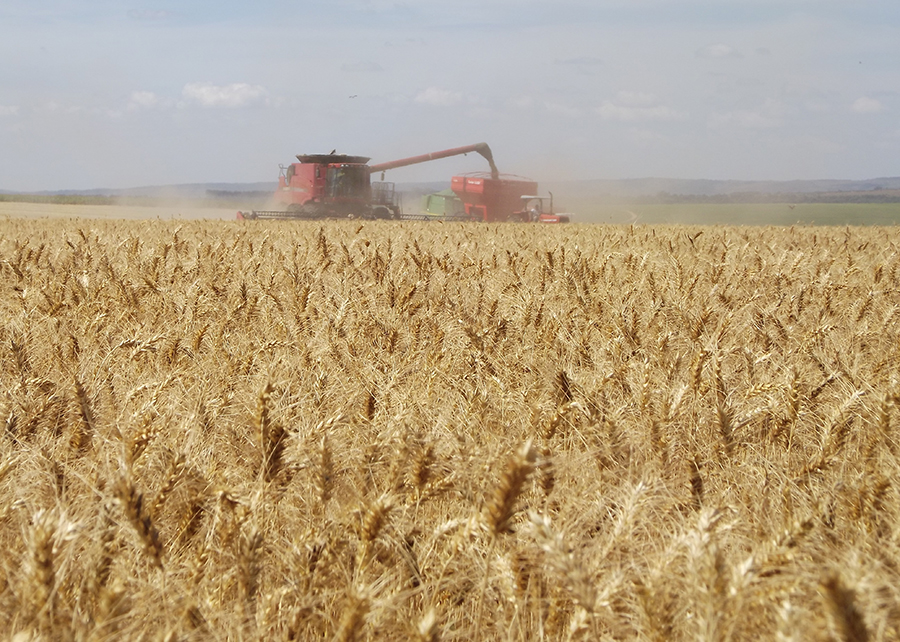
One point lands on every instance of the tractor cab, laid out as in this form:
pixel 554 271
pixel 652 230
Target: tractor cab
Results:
pixel 539 209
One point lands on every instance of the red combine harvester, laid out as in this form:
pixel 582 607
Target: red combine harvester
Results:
pixel 339 186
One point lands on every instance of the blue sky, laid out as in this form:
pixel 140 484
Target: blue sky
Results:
pixel 121 94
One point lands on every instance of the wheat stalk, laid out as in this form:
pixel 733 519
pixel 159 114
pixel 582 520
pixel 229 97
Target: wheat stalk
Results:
pixel 132 503
pixel 501 507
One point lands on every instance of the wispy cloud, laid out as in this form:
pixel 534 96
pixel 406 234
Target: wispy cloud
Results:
pixel 718 50
pixel 54 107
pixel 562 110
pixel 580 61
pixel 767 116
pixel 586 65
pixel 233 95
pixel 611 111
pixel 646 136
pixel 632 106
pixel 866 105
pixel 522 102
pixel 408 42
pixel 821 145
pixel 149 14
pixel 438 96
pixel 362 67
pixel 696 72
pixel 636 99
pixel 147 100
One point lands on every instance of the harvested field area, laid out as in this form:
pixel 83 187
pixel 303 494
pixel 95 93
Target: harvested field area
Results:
pixel 346 431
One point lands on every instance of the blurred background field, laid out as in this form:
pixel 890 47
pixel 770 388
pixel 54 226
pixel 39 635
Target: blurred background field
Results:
pixel 641 201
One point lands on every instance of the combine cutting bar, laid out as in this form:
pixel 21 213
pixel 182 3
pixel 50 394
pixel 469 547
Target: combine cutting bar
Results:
pixel 278 214
pixel 310 216
pixel 432 217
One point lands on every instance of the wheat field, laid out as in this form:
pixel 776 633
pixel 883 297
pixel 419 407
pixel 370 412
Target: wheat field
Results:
pixel 418 431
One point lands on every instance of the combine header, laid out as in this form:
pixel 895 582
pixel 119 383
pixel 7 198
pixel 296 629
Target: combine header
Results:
pixel 339 186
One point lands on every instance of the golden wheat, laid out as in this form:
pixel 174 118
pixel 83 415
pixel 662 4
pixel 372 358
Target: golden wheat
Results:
pixel 352 431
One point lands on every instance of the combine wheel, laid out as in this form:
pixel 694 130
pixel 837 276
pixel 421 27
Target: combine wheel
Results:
pixel 382 212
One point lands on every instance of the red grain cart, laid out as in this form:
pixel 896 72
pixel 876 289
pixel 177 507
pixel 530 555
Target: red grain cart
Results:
pixel 492 198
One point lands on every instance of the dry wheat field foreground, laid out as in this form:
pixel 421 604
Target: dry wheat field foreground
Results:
pixel 413 431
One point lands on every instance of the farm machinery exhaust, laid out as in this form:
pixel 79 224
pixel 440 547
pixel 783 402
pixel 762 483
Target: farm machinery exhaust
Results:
pixel 322 186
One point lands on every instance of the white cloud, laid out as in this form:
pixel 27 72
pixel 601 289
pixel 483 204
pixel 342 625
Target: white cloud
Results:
pixel 437 96
pixel 767 116
pixel 54 107
pixel 632 106
pixel 580 61
pixel 148 14
pixel 8 110
pixel 817 106
pixel 147 100
pixel 233 95
pixel 562 110
pixel 611 111
pixel 866 105
pixel 374 6
pixel 646 136
pixel 362 67
pixel 481 112
pixel 718 50
pixel 822 145
pixel 636 99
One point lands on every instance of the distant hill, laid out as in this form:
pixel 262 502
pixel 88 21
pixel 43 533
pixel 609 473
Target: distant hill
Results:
pixel 646 187
pixel 183 191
